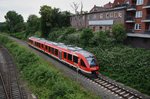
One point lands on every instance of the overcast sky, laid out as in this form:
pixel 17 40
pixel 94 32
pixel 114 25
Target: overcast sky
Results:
pixel 27 7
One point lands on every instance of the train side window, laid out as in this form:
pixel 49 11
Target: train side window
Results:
pixel 39 44
pixel 49 49
pixel 75 59
pixel 46 47
pixel 65 55
pixel 82 63
pixel 56 52
pixel 70 57
pixel 52 50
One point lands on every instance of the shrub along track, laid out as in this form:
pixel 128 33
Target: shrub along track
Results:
pixel 102 83
pixel 9 84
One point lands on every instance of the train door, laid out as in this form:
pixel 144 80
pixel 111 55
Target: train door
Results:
pixel 82 64
pixel 75 60
pixel 60 55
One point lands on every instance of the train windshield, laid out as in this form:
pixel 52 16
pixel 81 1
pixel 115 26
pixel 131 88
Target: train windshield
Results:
pixel 92 61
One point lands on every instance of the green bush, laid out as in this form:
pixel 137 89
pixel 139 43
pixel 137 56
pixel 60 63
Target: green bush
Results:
pixel 126 65
pixel 86 37
pixel 19 35
pixel 119 32
pixel 45 81
pixel 99 38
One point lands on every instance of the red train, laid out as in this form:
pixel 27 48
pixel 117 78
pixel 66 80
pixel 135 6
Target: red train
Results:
pixel 74 56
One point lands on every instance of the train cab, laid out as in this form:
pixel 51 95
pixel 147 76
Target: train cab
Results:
pixel 88 62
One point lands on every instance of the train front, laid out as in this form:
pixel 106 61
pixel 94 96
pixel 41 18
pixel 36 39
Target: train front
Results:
pixel 93 65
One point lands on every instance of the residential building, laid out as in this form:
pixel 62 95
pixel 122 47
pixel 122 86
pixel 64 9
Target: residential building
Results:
pixel 99 18
pixel 134 14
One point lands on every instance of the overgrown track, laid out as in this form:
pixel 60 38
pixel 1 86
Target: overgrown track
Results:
pixel 10 85
pixel 3 92
pixel 115 88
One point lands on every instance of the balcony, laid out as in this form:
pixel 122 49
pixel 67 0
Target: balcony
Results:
pixel 130 30
pixel 147 5
pixel 147 18
pixel 130 19
pixel 131 8
pixel 147 32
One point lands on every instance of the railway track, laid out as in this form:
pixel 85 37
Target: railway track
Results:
pixel 116 89
pixel 3 92
pixel 9 86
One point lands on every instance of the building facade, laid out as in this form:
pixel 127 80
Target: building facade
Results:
pixel 134 14
pixel 99 21
pixel 138 16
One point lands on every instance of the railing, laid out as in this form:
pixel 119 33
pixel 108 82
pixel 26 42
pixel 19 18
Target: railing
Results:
pixel 132 6
pixel 121 5
pixel 147 31
pixel 148 3
pixel 148 17
pixel 130 30
pixel 130 18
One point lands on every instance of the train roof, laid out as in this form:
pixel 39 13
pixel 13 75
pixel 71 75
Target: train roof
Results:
pixel 68 47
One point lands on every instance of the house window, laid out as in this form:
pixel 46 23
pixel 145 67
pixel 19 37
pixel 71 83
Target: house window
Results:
pixel 107 15
pixel 139 2
pixel 111 15
pixel 138 14
pixel 100 28
pixel 94 16
pixel 137 27
pixel 119 14
pixel 101 16
pixel 127 2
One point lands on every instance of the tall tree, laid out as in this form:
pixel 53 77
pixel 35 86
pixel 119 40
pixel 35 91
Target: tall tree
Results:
pixel 33 24
pixel 65 19
pixel 46 20
pixel 14 21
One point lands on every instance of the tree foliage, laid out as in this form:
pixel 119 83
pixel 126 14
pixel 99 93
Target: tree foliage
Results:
pixel 52 18
pixel 119 32
pixel 33 24
pixel 86 36
pixel 46 20
pixel 14 22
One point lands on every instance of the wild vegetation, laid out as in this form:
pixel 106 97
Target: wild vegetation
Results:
pixel 130 66
pixel 45 80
